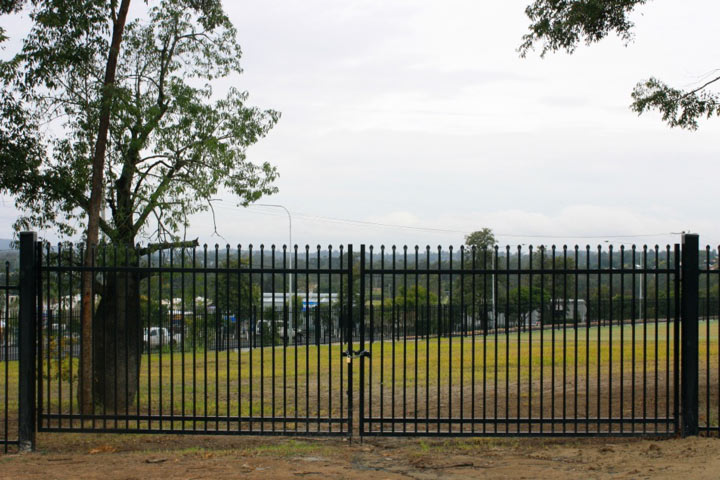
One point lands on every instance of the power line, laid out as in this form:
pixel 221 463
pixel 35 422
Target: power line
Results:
pixel 348 221
pixel 322 218
pixel 377 224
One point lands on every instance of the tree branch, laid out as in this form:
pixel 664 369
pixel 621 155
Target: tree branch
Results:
pixel 156 195
pixel 693 92
pixel 84 203
pixel 145 173
pixel 152 248
pixel 113 12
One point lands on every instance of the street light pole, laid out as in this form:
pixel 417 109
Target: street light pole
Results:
pixel 640 288
pixel 289 233
pixel 290 247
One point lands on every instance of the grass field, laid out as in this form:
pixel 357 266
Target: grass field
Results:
pixel 578 373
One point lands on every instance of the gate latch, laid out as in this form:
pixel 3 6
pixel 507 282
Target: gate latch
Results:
pixel 350 354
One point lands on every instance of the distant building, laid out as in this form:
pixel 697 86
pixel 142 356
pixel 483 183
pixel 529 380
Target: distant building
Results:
pixel 278 299
pixel 567 309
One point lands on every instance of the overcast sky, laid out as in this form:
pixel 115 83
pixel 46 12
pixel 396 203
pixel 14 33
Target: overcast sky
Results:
pixel 419 113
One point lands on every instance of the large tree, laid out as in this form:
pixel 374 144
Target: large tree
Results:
pixel 476 293
pixel 482 240
pixel 173 143
pixel 563 24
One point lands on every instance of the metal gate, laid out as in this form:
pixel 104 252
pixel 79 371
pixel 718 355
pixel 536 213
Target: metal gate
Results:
pixel 537 342
pixel 233 341
pixel 397 342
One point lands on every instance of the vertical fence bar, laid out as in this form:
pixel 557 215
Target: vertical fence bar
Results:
pixel 415 334
pixel 676 340
pixel 474 324
pixel 273 332
pixel 349 339
pixel 46 314
pixel 689 325
pixel 383 312
pixel 530 338
pixel 28 312
pixel 361 318
pixel 450 340
pixel 404 341
pixel 39 338
pixel 706 315
pixel 372 340
pixel 507 340
pixel 5 353
pixel 495 275
pixel 286 305
pixel 717 306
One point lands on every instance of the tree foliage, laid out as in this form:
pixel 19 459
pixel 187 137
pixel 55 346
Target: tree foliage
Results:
pixel 678 108
pixel 415 296
pixel 174 141
pixel 563 24
pixel 483 239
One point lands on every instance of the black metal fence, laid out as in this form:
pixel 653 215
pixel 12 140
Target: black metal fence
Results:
pixel 388 341
pixel 9 300
pixel 709 341
pixel 227 340
pixel 543 341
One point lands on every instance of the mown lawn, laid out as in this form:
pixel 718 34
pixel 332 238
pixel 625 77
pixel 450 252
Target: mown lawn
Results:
pixel 519 374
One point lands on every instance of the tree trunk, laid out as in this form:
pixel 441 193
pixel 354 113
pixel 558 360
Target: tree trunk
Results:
pixel 96 190
pixel 117 343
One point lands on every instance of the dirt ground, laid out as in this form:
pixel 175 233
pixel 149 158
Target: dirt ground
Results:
pixel 139 457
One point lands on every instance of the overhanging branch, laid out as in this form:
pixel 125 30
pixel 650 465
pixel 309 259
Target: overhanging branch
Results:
pixel 702 87
pixel 154 247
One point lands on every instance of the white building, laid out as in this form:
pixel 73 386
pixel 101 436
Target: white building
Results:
pixel 568 308
pixel 278 299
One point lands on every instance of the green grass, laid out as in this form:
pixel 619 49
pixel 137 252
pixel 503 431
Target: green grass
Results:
pixel 451 373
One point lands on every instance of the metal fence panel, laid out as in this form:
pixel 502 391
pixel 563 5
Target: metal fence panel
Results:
pixel 197 340
pixel 527 341
pixel 9 300
pixel 544 341
pixel 709 335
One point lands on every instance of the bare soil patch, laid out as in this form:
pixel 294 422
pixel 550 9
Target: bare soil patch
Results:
pixel 203 457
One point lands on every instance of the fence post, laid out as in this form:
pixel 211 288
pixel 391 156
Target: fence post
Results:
pixel 26 340
pixel 689 324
